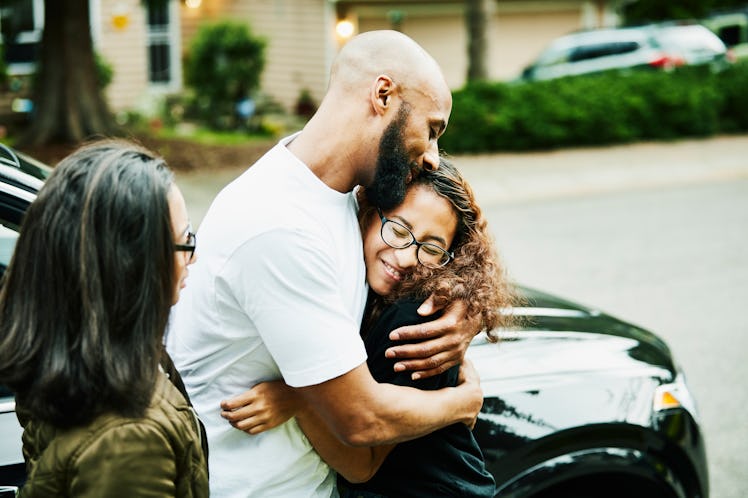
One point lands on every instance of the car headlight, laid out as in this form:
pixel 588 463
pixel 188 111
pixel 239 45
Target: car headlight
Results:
pixel 675 395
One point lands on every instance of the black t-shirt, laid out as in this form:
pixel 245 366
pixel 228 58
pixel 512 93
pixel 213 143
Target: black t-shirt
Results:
pixel 447 462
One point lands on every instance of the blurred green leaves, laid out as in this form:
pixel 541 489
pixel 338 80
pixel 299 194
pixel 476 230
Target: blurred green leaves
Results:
pixel 224 66
pixel 607 108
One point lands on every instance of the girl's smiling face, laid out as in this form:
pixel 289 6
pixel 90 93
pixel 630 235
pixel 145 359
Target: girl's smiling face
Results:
pixel 429 216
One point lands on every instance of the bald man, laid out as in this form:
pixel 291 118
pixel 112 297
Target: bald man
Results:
pixel 278 290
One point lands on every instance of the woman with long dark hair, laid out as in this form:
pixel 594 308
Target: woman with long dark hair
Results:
pixel 435 243
pixel 101 257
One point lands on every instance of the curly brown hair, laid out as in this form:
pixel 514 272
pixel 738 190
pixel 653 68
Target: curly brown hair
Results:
pixel 476 276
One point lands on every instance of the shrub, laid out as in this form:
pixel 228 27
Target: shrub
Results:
pixel 104 71
pixel 732 84
pixel 604 108
pixel 305 104
pixel 3 68
pixel 223 67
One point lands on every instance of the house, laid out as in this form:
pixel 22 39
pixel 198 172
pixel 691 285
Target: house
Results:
pixel 145 43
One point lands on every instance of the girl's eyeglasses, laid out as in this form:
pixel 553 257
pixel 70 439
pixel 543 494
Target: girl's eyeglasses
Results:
pixel 189 247
pixel 398 236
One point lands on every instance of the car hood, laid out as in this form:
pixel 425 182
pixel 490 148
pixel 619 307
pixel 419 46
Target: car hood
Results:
pixel 570 365
pixel 548 323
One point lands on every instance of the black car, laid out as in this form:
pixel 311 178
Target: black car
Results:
pixel 20 179
pixel 581 404
pixel 577 403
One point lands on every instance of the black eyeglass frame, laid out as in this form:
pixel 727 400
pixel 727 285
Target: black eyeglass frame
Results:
pixel 414 241
pixel 189 246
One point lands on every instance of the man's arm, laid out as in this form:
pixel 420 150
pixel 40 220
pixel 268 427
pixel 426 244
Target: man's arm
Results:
pixel 356 410
pixel 356 464
pixel 443 342
pixel 362 412
pixel 269 404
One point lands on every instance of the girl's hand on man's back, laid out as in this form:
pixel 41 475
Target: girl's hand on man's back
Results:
pixel 266 405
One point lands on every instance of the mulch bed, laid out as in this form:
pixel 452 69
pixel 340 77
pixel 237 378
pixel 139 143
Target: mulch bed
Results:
pixel 180 154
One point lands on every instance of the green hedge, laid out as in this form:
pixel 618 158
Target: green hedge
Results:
pixel 606 108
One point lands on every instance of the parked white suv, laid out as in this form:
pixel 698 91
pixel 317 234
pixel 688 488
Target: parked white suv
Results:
pixel 656 47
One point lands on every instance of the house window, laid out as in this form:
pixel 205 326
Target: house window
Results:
pixel 21 24
pixel 163 49
pixel 159 61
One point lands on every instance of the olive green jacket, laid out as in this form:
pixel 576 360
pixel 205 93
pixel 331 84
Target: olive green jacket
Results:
pixel 158 455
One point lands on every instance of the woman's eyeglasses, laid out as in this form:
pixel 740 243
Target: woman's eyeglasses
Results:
pixel 398 236
pixel 189 247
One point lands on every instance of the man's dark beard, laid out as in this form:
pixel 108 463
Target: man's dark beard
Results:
pixel 393 166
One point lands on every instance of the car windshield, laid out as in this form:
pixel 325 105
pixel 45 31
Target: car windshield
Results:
pixel 593 44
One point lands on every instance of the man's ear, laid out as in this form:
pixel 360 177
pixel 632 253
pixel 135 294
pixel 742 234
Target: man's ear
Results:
pixel 382 92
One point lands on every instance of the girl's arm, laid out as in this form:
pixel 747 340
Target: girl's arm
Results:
pixel 269 404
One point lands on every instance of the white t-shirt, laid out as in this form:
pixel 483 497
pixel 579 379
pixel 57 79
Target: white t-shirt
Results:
pixel 278 290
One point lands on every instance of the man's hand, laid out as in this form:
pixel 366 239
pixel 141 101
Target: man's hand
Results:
pixel 444 340
pixel 263 407
pixel 469 376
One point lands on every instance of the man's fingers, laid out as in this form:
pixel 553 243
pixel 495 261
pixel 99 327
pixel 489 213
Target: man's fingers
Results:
pixel 468 372
pixel 415 332
pixel 426 349
pixel 427 307
pixel 426 367
pixel 425 373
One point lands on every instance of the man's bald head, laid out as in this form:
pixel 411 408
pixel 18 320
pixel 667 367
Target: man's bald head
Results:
pixel 392 53
pixel 386 106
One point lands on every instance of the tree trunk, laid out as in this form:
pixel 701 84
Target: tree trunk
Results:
pixel 69 105
pixel 476 17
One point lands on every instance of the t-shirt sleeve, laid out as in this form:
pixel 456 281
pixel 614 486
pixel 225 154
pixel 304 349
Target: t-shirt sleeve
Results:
pixel 286 282
pixel 377 341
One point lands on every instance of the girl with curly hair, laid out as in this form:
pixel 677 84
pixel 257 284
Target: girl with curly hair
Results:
pixel 435 243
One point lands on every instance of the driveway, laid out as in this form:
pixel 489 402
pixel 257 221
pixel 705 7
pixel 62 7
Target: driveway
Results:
pixel 515 177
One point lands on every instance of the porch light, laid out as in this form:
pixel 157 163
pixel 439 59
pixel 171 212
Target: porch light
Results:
pixel 344 28
pixel 120 16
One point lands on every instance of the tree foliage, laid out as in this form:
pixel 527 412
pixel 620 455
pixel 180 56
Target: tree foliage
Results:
pixel 3 68
pixel 224 66
pixel 646 11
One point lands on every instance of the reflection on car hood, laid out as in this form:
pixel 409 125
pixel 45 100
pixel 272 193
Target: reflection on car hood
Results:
pixel 547 313
pixel 571 364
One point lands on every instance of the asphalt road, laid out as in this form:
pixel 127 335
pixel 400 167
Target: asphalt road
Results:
pixel 656 234
pixel 673 260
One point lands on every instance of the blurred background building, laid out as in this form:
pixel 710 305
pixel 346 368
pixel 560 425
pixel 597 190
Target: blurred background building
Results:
pixel 145 41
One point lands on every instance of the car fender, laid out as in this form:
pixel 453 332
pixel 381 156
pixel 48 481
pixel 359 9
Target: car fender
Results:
pixel 630 462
